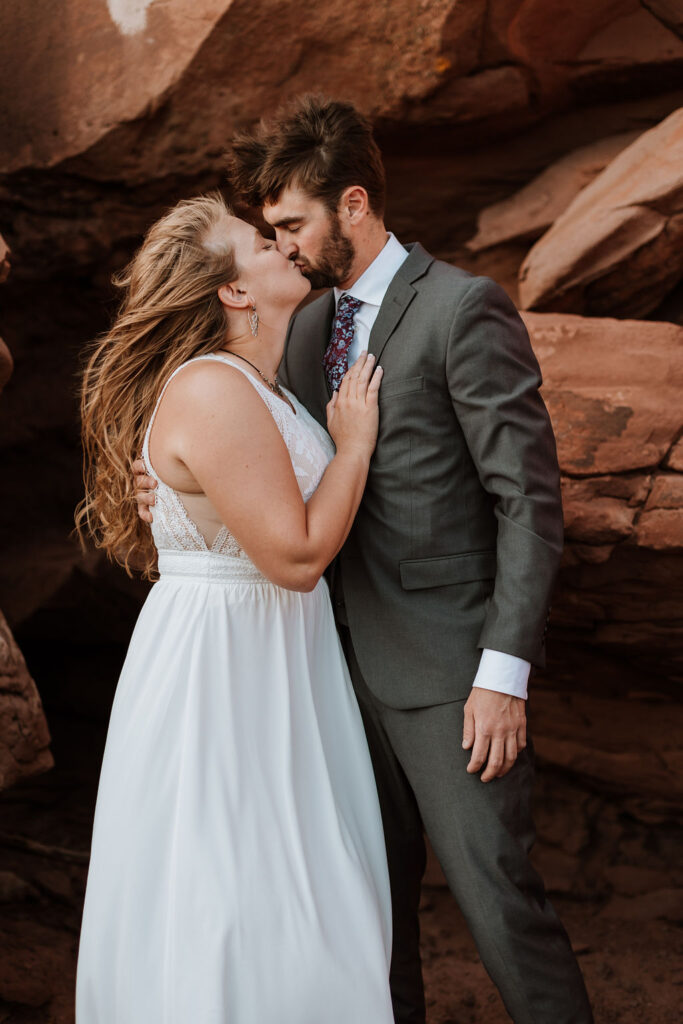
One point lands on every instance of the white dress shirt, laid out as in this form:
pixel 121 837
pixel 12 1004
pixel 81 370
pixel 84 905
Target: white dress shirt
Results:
pixel 497 670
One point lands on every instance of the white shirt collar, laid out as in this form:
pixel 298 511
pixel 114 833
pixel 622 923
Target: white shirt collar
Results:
pixel 371 286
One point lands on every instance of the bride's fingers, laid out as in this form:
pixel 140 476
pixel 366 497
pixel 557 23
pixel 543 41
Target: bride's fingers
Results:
pixel 365 375
pixel 359 363
pixel 375 381
pixel 355 374
pixel 347 386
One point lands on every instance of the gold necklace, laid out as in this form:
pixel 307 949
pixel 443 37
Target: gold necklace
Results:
pixel 272 384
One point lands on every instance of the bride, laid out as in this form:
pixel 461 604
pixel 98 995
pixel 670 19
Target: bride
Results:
pixel 238 871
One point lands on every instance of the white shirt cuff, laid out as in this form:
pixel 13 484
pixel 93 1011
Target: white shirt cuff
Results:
pixel 503 672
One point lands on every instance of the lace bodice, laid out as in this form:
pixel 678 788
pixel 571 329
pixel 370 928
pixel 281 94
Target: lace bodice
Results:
pixel 310 449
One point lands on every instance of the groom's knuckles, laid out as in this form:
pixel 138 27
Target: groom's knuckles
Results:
pixel 479 752
pixel 498 751
pixel 495 761
pixel 510 756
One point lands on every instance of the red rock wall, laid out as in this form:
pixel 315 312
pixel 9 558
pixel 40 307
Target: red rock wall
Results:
pixel 24 736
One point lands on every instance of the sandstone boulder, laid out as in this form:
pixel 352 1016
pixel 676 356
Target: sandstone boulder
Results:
pixel 669 13
pixel 604 741
pixel 532 210
pixel 24 736
pixel 612 388
pixel 6 363
pixel 675 457
pixel 4 260
pixel 79 69
pixel 618 248
pixel 461 94
pixel 660 526
pixel 176 77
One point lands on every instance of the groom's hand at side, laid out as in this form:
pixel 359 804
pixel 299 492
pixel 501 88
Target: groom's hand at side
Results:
pixel 144 490
pixel 494 730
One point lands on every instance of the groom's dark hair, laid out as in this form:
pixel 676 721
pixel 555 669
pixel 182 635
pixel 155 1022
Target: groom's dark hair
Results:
pixel 321 146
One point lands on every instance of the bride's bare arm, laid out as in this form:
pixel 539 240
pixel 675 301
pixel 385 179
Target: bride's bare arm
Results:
pixel 227 439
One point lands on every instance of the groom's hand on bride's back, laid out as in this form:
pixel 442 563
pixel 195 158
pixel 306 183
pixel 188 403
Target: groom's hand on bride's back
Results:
pixel 144 490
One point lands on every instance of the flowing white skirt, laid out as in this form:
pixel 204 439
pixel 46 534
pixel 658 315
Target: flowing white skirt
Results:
pixel 238 871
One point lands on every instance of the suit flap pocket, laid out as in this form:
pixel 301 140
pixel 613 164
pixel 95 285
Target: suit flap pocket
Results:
pixel 418 573
pixel 393 388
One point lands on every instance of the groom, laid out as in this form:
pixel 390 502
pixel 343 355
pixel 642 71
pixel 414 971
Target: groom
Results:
pixel 442 589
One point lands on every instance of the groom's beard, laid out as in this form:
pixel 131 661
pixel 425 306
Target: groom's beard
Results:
pixel 335 261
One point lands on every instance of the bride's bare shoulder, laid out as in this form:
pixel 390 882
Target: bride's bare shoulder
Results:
pixel 207 383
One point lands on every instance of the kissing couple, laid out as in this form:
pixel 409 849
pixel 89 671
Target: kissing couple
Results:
pixel 281 740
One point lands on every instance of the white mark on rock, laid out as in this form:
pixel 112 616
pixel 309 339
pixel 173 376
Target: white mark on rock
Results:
pixel 130 16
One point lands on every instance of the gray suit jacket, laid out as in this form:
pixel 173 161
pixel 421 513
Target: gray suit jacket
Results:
pixel 458 538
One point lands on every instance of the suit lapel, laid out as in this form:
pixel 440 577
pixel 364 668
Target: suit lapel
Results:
pixel 321 329
pixel 326 318
pixel 399 295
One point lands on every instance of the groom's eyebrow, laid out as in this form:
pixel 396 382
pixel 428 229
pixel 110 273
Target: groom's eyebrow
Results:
pixel 284 222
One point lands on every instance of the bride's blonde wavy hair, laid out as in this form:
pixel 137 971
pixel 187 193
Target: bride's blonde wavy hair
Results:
pixel 170 312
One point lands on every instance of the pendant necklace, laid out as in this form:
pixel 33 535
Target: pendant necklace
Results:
pixel 272 384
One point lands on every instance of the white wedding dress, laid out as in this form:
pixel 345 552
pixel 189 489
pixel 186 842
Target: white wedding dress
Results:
pixel 238 871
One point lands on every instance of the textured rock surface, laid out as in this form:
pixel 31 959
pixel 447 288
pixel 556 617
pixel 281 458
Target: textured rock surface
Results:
pixel 613 389
pixel 122 56
pixel 6 362
pixel 152 98
pixel 459 60
pixel 24 736
pixel 669 13
pixel 618 248
pixel 602 741
pixel 532 210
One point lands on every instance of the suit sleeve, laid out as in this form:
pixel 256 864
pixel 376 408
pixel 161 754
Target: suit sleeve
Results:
pixel 493 379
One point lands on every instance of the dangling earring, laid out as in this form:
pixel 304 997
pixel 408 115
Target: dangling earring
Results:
pixel 253 320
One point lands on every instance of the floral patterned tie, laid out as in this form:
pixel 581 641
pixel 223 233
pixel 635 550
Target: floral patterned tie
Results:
pixel 336 358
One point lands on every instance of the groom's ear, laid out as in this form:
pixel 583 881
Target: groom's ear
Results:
pixel 353 204
pixel 233 296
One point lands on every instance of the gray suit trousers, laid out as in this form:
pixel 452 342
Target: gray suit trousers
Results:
pixel 482 834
